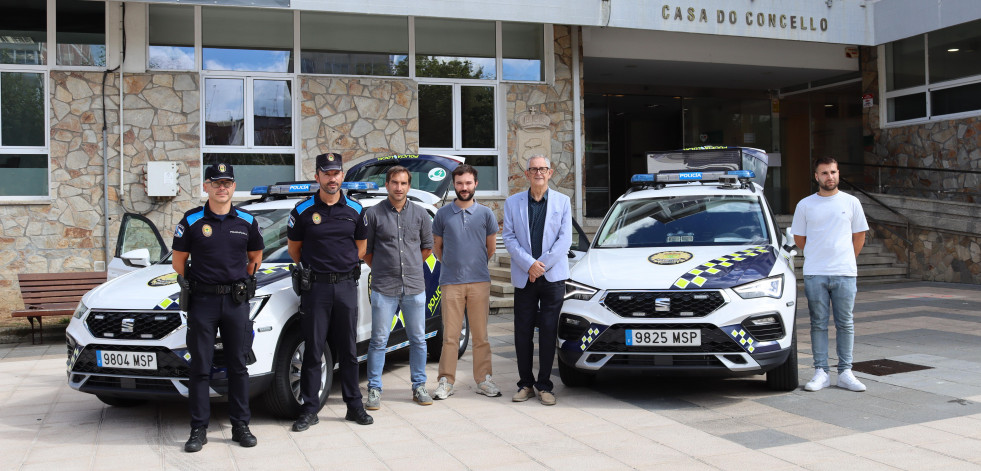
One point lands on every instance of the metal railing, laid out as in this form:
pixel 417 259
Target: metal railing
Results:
pixel 906 238
pixel 917 182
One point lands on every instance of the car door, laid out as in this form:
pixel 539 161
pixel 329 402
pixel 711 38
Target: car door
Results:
pixel 138 245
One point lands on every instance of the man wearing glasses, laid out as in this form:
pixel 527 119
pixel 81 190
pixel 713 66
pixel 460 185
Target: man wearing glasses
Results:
pixel 225 244
pixel 538 235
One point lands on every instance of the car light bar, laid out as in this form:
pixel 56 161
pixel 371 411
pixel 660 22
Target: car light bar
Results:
pixel 676 177
pixel 307 188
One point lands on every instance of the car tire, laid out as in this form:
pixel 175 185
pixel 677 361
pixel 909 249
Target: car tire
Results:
pixel 282 399
pixel 120 401
pixel 784 377
pixel 434 345
pixel 573 377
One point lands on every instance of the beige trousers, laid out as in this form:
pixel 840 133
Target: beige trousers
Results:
pixel 473 299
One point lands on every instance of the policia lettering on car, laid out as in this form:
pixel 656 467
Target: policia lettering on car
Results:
pixel 225 245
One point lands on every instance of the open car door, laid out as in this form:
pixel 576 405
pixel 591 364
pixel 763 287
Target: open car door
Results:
pixel 138 245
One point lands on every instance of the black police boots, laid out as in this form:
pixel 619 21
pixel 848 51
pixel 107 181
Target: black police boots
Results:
pixel 199 436
pixel 359 416
pixel 305 421
pixel 242 435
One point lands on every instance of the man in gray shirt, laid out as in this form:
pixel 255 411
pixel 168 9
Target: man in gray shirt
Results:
pixel 398 232
pixel 465 238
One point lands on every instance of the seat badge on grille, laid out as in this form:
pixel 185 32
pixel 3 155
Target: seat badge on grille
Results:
pixel 662 305
pixel 127 326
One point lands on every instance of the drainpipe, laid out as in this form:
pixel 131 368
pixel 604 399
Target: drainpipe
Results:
pixel 577 124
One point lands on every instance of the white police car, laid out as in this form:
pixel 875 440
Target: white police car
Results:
pixel 687 274
pixel 126 341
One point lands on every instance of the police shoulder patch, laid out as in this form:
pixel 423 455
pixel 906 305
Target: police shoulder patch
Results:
pixel 179 231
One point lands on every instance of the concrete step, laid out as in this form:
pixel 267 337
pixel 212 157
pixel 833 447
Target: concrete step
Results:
pixel 501 305
pixel 498 288
pixel 498 273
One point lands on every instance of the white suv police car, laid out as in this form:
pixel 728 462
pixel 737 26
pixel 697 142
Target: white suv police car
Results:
pixel 687 274
pixel 126 341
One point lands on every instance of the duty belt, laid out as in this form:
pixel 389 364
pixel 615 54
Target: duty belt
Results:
pixel 334 277
pixel 201 288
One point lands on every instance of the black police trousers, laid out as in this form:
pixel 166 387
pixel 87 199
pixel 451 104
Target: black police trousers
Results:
pixel 210 313
pixel 330 312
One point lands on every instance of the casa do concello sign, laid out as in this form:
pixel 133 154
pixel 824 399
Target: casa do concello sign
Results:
pixel 825 21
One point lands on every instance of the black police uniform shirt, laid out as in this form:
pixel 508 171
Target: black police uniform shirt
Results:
pixel 218 245
pixel 328 233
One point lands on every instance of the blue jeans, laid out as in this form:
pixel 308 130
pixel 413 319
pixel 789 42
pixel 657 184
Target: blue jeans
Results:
pixel 826 295
pixel 383 310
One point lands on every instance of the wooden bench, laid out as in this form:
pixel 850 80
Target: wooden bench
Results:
pixel 53 294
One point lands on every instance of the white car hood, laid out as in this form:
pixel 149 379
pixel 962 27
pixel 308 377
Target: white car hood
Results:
pixel 631 268
pixel 155 287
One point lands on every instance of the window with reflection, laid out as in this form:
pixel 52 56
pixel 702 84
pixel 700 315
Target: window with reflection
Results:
pixel 81 33
pixel 523 51
pixel 248 39
pixel 23 152
pixel 272 113
pixel 340 43
pixel 460 119
pixel 171 37
pixel 224 111
pixel 23 32
pixel 459 49
pixel 255 169
pixel 937 74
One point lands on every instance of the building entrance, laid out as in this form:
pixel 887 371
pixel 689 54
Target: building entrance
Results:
pixel 621 129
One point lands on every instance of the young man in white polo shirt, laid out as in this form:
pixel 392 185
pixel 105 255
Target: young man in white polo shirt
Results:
pixel 829 226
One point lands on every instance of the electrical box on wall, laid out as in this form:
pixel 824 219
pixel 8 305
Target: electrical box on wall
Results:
pixel 161 179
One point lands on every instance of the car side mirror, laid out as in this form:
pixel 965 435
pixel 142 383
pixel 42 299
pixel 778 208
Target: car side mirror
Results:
pixel 136 258
pixel 788 241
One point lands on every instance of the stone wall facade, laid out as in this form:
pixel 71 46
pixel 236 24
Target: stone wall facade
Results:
pixel 358 117
pixel 937 146
pixel 942 205
pixel 554 101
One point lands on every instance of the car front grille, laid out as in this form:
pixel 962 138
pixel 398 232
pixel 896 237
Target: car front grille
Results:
pixel 132 325
pixel 663 304
pixel 764 333
pixel 140 384
pixel 168 363
pixel 614 339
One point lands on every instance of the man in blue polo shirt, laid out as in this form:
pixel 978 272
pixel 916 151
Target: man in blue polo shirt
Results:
pixel 465 238
pixel 225 245
pixel 327 235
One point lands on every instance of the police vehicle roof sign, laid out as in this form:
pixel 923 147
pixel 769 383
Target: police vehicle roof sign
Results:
pixel 710 158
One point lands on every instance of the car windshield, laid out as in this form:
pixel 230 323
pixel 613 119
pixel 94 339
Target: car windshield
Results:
pixel 427 175
pixel 684 221
pixel 273 224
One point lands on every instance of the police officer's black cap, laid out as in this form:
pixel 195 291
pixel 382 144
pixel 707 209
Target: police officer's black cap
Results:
pixel 329 161
pixel 219 172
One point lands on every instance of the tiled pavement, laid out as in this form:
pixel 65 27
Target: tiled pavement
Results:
pixel 927 419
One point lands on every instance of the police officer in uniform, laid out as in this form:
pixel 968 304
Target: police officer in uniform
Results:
pixel 225 244
pixel 327 237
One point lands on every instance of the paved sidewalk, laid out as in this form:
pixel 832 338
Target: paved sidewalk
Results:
pixel 926 419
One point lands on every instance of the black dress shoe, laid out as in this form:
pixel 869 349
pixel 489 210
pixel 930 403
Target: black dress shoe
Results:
pixel 199 436
pixel 359 416
pixel 242 435
pixel 305 421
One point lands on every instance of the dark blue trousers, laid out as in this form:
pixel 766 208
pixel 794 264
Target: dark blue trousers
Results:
pixel 209 314
pixel 329 311
pixel 536 305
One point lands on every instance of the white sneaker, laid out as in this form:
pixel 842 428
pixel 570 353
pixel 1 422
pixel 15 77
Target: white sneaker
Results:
pixel 848 381
pixel 488 388
pixel 820 381
pixel 444 390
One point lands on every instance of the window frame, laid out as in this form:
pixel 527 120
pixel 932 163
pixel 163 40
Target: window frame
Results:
pixel 38 150
pixel 927 89
pixel 52 57
pixel 197 39
pixel 248 145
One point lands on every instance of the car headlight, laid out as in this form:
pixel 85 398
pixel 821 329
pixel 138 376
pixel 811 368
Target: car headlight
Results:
pixel 578 291
pixel 771 287
pixel 80 310
pixel 255 305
